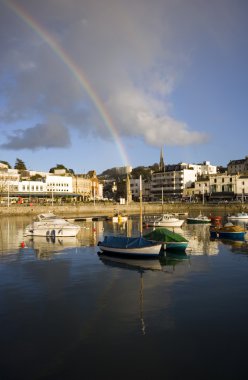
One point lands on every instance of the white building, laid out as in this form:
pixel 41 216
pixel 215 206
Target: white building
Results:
pixel 171 183
pixel 59 184
pixel 31 187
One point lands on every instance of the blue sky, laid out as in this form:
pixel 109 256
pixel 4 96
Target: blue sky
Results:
pixel 167 73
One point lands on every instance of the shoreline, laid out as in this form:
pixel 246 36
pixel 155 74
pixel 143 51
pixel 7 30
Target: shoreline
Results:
pixel 111 209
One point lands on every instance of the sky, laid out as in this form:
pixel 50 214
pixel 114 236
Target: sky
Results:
pixel 95 84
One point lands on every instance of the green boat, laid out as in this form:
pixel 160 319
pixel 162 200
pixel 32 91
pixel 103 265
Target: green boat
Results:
pixel 171 241
pixel 200 219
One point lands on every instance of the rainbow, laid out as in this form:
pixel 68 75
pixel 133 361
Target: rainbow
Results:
pixel 75 71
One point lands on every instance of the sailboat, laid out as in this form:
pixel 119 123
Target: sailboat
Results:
pixel 131 246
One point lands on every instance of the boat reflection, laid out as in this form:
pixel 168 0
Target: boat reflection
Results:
pixel 132 264
pixel 239 246
pixel 44 247
pixel 163 263
pixel 174 258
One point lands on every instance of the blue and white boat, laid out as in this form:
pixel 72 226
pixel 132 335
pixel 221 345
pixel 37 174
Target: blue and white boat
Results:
pixel 130 246
pixel 228 231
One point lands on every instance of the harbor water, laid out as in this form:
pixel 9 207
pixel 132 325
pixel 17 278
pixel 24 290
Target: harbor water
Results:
pixel 68 312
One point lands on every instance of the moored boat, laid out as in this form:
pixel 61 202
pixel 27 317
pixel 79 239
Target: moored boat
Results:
pixel 228 231
pixel 48 224
pixel 171 241
pixel 200 219
pixel 130 246
pixel 165 220
pixel 238 216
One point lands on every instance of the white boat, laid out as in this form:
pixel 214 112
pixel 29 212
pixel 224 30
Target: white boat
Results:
pixel 165 220
pixel 51 225
pixel 239 216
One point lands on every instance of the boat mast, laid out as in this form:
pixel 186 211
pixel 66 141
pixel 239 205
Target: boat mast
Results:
pixel 141 222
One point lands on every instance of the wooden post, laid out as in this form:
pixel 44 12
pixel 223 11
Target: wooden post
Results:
pixel 141 218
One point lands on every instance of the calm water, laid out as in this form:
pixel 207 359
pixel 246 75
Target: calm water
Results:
pixel 67 313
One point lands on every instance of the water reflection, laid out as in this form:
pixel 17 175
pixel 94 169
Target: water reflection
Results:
pixel 91 232
pixel 44 247
pixel 165 264
pixel 199 240
pixel 236 245
pixel 60 316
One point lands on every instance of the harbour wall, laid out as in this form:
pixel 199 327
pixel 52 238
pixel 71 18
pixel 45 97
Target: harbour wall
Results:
pixel 101 209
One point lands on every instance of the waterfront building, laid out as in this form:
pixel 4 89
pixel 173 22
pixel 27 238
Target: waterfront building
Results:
pixel 31 187
pixel 228 186
pixel 238 166
pixel 82 186
pixel 170 184
pixel 9 180
pixel 135 188
pixel 242 187
pixel 201 188
pixel 59 184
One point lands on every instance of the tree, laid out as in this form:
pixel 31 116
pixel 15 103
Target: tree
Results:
pixel 60 167
pixel 20 165
pixel 6 163
pixel 36 177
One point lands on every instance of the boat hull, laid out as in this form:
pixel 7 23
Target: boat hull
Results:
pixel 238 218
pixel 133 247
pixel 178 223
pixel 133 252
pixel 228 235
pixel 176 246
pixel 197 221
pixel 52 231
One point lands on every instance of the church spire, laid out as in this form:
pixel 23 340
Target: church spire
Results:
pixel 161 162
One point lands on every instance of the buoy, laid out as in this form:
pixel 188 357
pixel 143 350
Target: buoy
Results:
pixel 22 244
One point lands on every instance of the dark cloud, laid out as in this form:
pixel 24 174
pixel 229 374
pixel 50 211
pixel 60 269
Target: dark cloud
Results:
pixel 39 136
pixel 124 57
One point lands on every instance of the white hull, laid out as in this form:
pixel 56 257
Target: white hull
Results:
pixel 50 225
pixel 244 218
pixel 176 223
pixel 166 220
pixel 144 251
pixel 52 231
